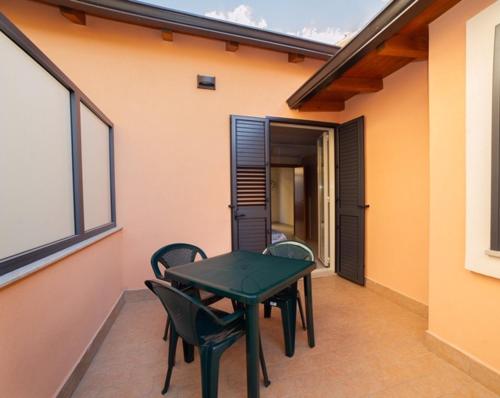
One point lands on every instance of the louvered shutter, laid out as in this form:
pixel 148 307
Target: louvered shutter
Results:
pixel 251 214
pixel 350 201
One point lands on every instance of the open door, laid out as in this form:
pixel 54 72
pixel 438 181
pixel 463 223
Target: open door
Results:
pixel 250 182
pixel 350 201
pixel 325 152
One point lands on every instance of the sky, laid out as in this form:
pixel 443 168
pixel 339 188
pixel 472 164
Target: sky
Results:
pixel 329 21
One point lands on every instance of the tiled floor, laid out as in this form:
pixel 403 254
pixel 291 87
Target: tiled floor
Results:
pixel 366 347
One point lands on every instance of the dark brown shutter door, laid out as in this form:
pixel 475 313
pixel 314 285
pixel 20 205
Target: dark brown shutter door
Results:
pixel 251 214
pixel 350 201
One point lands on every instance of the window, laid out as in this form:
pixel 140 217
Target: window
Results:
pixel 495 147
pixel 482 244
pixel 56 157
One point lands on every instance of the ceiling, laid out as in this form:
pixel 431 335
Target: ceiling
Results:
pixel 294 135
pixel 290 145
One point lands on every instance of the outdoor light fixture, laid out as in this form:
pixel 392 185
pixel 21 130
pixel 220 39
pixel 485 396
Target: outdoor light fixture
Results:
pixel 206 82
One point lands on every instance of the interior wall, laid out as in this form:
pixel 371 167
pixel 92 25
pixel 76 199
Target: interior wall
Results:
pixel 282 203
pixel 397 180
pixel 311 182
pixel 463 306
pixel 275 195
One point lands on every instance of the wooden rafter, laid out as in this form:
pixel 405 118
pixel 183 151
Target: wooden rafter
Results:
pixel 323 106
pixel 295 58
pixel 167 35
pixel 356 84
pixel 405 47
pixel 75 16
pixel 232 46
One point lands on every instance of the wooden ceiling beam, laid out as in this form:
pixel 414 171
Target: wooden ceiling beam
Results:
pixel 356 84
pixel 295 58
pixel 232 46
pixel 75 16
pixel 405 47
pixel 323 106
pixel 167 35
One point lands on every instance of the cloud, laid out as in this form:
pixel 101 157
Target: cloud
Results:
pixel 242 14
pixel 329 35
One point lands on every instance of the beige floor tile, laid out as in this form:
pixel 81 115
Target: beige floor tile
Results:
pixel 366 347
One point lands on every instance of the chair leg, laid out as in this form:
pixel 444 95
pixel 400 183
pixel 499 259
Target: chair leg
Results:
pixel 267 310
pixel 188 352
pixel 172 346
pixel 263 366
pixel 301 311
pixel 209 361
pixel 167 325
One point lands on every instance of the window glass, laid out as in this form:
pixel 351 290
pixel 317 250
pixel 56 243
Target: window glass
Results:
pixel 95 170
pixel 36 181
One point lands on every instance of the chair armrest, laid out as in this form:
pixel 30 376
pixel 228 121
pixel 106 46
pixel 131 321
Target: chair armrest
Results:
pixel 226 320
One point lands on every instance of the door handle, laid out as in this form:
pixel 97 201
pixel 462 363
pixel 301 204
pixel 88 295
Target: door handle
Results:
pixel 231 206
pixel 363 206
pixel 238 216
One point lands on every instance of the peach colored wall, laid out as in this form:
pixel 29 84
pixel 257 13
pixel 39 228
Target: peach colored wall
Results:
pixel 172 140
pixel 463 305
pixel 172 173
pixel 47 319
pixel 397 180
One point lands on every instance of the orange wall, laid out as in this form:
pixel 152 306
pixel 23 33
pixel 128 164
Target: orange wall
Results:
pixel 397 180
pixel 47 319
pixel 463 305
pixel 172 140
pixel 172 173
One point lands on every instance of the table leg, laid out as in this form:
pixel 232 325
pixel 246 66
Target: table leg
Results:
pixel 288 317
pixel 252 341
pixel 309 310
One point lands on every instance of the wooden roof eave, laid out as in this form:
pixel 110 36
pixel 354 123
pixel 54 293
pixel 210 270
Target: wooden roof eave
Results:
pixel 394 38
pixel 156 17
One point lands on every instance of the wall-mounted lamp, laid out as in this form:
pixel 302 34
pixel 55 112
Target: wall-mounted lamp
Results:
pixel 206 82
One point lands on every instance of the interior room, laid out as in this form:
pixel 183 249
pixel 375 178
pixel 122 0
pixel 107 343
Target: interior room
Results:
pixel 295 197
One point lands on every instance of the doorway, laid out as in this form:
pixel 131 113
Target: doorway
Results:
pixel 301 185
pixel 328 170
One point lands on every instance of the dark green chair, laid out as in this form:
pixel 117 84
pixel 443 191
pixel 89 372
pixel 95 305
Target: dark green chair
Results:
pixel 288 299
pixel 211 330
pixel 171 256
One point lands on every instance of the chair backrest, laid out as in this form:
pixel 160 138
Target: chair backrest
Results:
pixel 191 318
pixel 290 249
pixel 173 255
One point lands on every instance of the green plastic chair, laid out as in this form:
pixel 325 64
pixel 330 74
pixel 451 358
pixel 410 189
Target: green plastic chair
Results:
pixel 211 330
pixel 171 256
pixel 289 298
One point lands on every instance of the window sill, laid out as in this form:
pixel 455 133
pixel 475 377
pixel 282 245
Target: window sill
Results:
pixel 492 253
pixel 35 266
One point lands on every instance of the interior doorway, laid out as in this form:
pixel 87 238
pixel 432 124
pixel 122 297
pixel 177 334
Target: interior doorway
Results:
pixel 301 186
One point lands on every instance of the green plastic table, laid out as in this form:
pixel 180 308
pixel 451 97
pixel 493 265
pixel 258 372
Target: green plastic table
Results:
pixel 249 278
